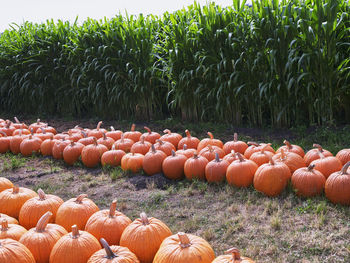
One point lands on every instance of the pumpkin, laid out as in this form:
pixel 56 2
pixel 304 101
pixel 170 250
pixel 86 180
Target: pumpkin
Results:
pixel 98 132
pixel 235 145
pixel 132 134
pixel 58 148
pixel 21 130
pixel 151 136
pixel 13 231
pixel 124 144
pixel 191 142
pixel 86 140
pixel 36 125
pixel 165 147
pixel 4 142
pixel 195 167
pixel 152 162
pixel 112 157
pixel 215 171
pixel 184 248
pixel 254 147
pixel 292 160
pixel 19 125
pixel 233 257
pixel 113 254
pixel 46 129
pixel 187 152
pixel 271 178
pixel 30 145
pixel 77 246
pixel 173 166
pixel 76 211
pixel 46 146
pixel 308 182
pixel 108 224
pixel 132 162
pixel 288 147
pixel 141 146
pixel 173 138
pixel 11 200
pixel 209 141
pixel 337 187
pixel 327 165
pixel 210 151
pixel 5 184
pixel 261 156
pixel 313 154
pixel 91 154
pixel 75 136
pixel 41 239
pixel 241 172
pixel 144 236
pixel 34 208
pixel 8 129
pixel 43 135
pixel 11 251
pixel 72 152
pixel 114 134
pixel 9 219
pixel 15 143
pixel 343 155
pixel 231 157
pixel 62 136
pixel 106 141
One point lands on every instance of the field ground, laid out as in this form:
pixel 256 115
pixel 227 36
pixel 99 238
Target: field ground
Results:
pixel 283 229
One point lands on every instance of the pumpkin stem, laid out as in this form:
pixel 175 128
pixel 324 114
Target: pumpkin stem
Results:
pixel 184 240
pixel 41 194
pixel 16 120
pixel 217 159
pixel 113 147
pixel 133 127
pixel 167 131
pixel 15 189
pixel 195 155
pixel 265 147
pixel 109 251
pixel 80 198
pixel 240 157
pixel 160 142
pixel 235 253
pixel 84 134
pixel 95 141
pixel 283 155
pixel 4 225
pixel 288 144
pixel 345 168
pixel 253 143
pixel 112 128
pixel 235 137
pixel 173 153
pixel 104 136
pixel 72 143
pixel 142 139
pixel 315 145
pixel 112 209
pixel 271 161
pixel 210 148
pixel 210 135
pixel 43 221
pixel 31 131
pixel 122 138
pixel 43 130
pixel 8 124
pixel 233 152
pixel 38 121
pixel 320 154
pixel 188 134
pixel 310 167
pixel 153 148
pixel 185 147
pixel 147 129
pixel 144 218
pixel 75 232
pixel 99 125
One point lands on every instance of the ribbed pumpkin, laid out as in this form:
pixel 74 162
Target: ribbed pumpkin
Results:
pixel 261 156
pixel 77 246
pixel 337 187
pixel 288 147
pixel 36 125
pixel 98 132
pixel 165 147
pixel 58 148
pixel 75 136
pixel 4 142
pixel 72 152
pixel 183 247
pixel 5 184
pixel 171 137
pixel 41 239
pixel 210 151
pixel 91 154
pixel 308 182
pixel 188 152
pixel 132 162
pixel 241 172
pixel 271 178
pixel 112 157
pixel 209 141
pixel 11 251
pixel 292 160
pixel 113 254
pixel 141 146
pixel 46 146
pixel 15 143
pixel 343 155
pixel 233 257
pixel 151 136
pixel 86 140
pixel 195 167
pixel 21 131
pixel 108 224
pixel 144 236
pixel 215 171
pixel 30 145
pixel 43 135
pixel 235 145
pixel 8 128
pixel 132 134
pixel 191 142
pixel 10 220
pixel 124 144
pixel 18 124
pixel 255 147
pixel 13 231
pixel 327 165
pixel 76 211
pixel 34 208
pixel 61 136
pixel 106 141
pixel 173 166
pixel 313 154
pixel 152 162
pixel 11 200
pixel 114 134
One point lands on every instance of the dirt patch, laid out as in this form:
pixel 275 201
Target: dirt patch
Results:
pixel 155 181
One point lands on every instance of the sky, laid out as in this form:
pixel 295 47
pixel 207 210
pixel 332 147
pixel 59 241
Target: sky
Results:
pixel 38 11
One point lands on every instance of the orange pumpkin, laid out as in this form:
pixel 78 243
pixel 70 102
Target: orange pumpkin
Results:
pixel 8 129
pixel 215 171
pixel 337 187
pixel 132 134
pixel 76 211
pixel 13 231
pixel 108 224
pixel 210 151
pixel 187 152
pixel 288 147
pixel 112 157
pixel 173 166
pixel 261 156
pixel 72 152
pixel 46 146
pixel 15 143
pixel 132 162
pixel 232 157
pixel 292 160
pixel 106 141
pixel 255 147
pixel 343 156
pixel 241 172
pixel 152 162
pixel 91 154
pixel 151 136
pixel 327 165
pixel 34 208
pixel 124 144
pixel 98 132
pixel 235 145
pixel 209 141
pixel 191 142
pixel 4 142
pixel 30 145
pixel 308 182
pixel 165 147
pixel 41 239
pixel 141 146
pixel 36 125
pixel 58 148
pixel 11 251
pixel 171 137
pixel 5 184
pixel 19 125
pixel 43 135
pixel 313 154
pixel 233 257
pixel 9 219
pixel 184 248
pixel 114 134
pixel 86 140
pixel 77 246
pixel 135 235
pixel 195 167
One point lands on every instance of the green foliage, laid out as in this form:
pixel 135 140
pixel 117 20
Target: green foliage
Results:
pixel 278 63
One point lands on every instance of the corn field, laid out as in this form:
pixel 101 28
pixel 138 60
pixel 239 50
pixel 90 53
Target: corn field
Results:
pixel 277 63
